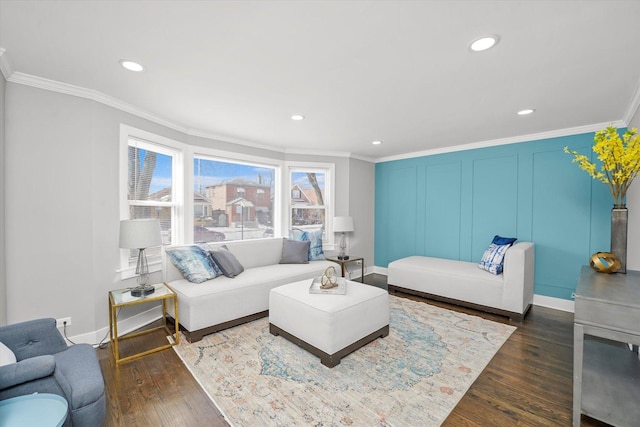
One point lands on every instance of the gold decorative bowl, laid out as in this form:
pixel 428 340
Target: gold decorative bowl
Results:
pixel 605 262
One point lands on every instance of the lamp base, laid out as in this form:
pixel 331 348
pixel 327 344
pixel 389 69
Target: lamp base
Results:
pixel 142 290
pixel 343 257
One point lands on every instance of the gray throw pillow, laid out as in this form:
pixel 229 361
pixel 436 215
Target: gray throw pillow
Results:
pixel 295 252
pixel 228 263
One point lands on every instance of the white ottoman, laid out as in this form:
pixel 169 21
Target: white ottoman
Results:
pixel 329 326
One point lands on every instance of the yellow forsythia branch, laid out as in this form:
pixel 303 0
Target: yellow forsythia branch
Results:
pixel 619 157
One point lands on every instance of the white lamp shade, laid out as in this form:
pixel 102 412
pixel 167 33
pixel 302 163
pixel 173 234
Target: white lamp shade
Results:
pixel 343 224
pixel 140 233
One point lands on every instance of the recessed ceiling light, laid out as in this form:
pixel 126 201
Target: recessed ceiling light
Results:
pixel 376 142
pixel 526 111
pixel 297 117
pixel 483 43
pixel 131 66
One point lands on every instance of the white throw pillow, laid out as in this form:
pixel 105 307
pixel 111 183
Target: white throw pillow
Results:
pixel 6 355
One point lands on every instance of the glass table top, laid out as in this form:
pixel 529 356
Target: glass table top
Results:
pixel 123 296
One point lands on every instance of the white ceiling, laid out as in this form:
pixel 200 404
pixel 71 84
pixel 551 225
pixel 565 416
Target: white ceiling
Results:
pixel 396 71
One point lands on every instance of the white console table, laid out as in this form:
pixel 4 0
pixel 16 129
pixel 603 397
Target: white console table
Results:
pixel 606 375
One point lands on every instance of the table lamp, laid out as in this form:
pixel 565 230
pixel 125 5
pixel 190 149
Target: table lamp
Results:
pixel 344 225
pixel 140 234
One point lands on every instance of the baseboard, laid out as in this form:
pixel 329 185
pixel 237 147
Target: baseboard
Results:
pixel 356 273
pixel 539 300
pixel 125 326
pixel 555 303
pixel 380 270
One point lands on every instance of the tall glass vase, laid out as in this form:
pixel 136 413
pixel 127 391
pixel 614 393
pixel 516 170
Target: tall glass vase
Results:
pixel 619 218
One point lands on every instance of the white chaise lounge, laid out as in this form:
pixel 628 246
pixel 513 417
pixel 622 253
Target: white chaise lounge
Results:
pixel 463 283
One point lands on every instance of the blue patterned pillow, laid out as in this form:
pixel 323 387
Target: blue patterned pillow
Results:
pixel 493 258
pixel 503 240
pixel 315 248
pixel 194 263
pixel 313 236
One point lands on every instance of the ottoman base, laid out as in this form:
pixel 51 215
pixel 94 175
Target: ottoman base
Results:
pixel 330 360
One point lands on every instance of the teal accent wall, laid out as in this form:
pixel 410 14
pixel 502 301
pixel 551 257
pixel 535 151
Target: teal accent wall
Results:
pixel 451 205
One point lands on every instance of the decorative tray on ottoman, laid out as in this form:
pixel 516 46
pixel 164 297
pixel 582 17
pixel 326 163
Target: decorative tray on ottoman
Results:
pixel 316 284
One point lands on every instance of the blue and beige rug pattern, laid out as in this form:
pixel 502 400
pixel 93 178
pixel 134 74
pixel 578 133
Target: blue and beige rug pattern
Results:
pixel 413 377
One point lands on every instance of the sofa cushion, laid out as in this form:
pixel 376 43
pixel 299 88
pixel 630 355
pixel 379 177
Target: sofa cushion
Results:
pixel 194 263
pixel 228 263
pixel 295 252
pixel 254 252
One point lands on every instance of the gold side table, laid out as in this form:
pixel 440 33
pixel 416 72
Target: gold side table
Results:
pixel 343 264
pixel 122 298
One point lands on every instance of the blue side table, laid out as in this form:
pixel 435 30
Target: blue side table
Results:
pixel 38 409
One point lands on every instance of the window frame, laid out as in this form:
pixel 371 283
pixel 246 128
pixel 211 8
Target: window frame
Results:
pixel 165 146
pixel 194 152
pixel 329 169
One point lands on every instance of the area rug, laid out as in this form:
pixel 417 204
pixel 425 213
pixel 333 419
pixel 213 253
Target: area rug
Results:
pixel 413 377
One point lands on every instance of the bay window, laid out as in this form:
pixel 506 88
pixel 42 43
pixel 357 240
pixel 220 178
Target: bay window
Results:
pixel 204 195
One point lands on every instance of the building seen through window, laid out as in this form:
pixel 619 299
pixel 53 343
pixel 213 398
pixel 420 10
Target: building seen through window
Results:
pixel 236 200
pixel 308 208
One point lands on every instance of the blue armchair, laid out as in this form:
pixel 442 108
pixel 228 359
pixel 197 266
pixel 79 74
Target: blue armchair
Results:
pixel 46 365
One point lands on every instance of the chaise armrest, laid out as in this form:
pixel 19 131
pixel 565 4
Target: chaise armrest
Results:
pixel 519 262
pixel 26 370
pixel 33 338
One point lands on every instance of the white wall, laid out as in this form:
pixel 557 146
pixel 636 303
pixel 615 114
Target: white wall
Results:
pixel 3 302
pixel 62 214
pixel 633 204
pixel 361 208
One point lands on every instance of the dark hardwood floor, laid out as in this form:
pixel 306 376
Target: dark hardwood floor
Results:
pixel 528 382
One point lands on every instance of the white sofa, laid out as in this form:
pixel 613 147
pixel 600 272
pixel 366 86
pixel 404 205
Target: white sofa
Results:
pixel 463 283
pixel 220 303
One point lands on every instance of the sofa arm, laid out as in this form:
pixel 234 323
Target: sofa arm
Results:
pixel 518 277
pixel 26 370
pixel 33 338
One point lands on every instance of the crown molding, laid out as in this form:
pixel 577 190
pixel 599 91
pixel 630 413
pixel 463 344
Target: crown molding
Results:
pixel 329 153
pixel 77 91
pixel 363 158
pixel 317 152
pixel 81 92
pixel 5 67
pixel 633 105
pixel 504 141
pixel 232 140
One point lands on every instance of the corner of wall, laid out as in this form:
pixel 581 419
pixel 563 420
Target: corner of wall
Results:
pixel 3 279
pixel 635 120
pixel 361 204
